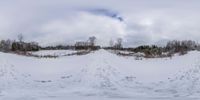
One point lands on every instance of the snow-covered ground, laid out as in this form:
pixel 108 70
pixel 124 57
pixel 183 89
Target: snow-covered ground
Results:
pixel 53 52
pixel 99 75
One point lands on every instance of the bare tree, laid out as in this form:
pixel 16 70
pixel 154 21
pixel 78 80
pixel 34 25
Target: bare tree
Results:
pixel 111 43
pixel 92 40
pixel 20 37
pixel 119 43
pixel 5 45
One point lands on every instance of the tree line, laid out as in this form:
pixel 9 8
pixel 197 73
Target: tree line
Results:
pixel 171 48
pixel 20 45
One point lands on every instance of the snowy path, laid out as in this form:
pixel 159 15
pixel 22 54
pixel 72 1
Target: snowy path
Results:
pixel 99 76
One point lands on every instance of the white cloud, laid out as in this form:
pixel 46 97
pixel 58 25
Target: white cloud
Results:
pixel 81 26
pixel 65 21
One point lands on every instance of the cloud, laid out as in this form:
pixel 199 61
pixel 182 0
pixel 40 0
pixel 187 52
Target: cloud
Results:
pixel 65 21
pixel 107 13
pixel 80 27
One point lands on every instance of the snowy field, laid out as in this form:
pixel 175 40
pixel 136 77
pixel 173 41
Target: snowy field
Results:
pixel 53 52
pixel 99 75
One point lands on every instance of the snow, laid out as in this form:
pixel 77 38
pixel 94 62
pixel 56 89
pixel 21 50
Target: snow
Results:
pixel 53 52
pixel 99 75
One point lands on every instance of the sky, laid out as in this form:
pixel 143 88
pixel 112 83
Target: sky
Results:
pixel 137 22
